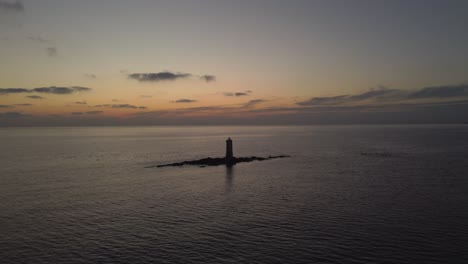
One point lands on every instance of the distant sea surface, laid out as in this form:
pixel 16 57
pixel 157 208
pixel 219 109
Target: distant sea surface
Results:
pixel 347 194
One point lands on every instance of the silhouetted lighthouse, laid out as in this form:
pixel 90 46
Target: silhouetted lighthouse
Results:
pixel 229 155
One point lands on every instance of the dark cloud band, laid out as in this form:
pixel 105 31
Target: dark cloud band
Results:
pixel 13 90
pixel 441 92
pixel 386 95
pixel 167 76
pixel 49 90
pixel 13 115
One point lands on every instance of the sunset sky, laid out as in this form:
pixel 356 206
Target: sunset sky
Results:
pixel 148 62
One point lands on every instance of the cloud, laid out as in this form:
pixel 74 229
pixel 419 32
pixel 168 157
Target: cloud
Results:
pixel 60 90
pixel 146 96
pixel 51 51
pixel 253 103
pixel 324 100
pixel 208 78
pixel 236 114
pixel 16 6
pixel 80 103
pixel 115 100
pixel 128 106
pixel 37 39
pixel 380 92
pixel 166 76
pixel 14 105
pixel 90 76
pixel 13 115
pixel 185 101
pixel 158 76
pixel 391 96
pixel 94 112
pixel 50 90
pixel 219 110
pixel 34 97
pixel 441 92
pixel 237 94
pixel 87 113
pixel 13 90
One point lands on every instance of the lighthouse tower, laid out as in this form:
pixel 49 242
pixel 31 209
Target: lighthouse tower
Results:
pixel 229 155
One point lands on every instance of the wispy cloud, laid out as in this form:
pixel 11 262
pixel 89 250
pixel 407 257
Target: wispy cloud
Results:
pixel 16 6
pixel 158 76
pixel 13 115
pixel 87 113
pixel 167 76
pixel 208 78
pixel 90 76
pixel 94 112
pixel 237 94
pixel 253 103
pixel 37 39
pixel 217 110
pixel 61 90
pixel 80 103
pixel 13 90
pixel 145 96
pixel 14 105
pixel 440 92
pixel 127 106
pixel 34 97
pixel 201 110
pixel 324 100
pixel 49 90
pixel 51 51
pixel 391 96
pixel 183 100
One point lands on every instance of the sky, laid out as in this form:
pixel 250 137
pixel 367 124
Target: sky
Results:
pixel 218 62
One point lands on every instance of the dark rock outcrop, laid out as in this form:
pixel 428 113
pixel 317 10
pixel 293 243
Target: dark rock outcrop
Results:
pixel 217 161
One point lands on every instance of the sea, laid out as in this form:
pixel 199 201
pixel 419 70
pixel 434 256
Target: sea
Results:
pixel 346 194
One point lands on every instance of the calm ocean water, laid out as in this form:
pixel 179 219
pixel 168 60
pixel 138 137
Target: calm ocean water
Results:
pixel 348 194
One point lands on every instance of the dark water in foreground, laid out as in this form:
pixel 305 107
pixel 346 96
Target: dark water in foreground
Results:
pixel 82 195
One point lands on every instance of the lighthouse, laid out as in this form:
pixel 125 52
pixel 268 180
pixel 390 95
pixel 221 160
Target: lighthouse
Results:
pixel 229 155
